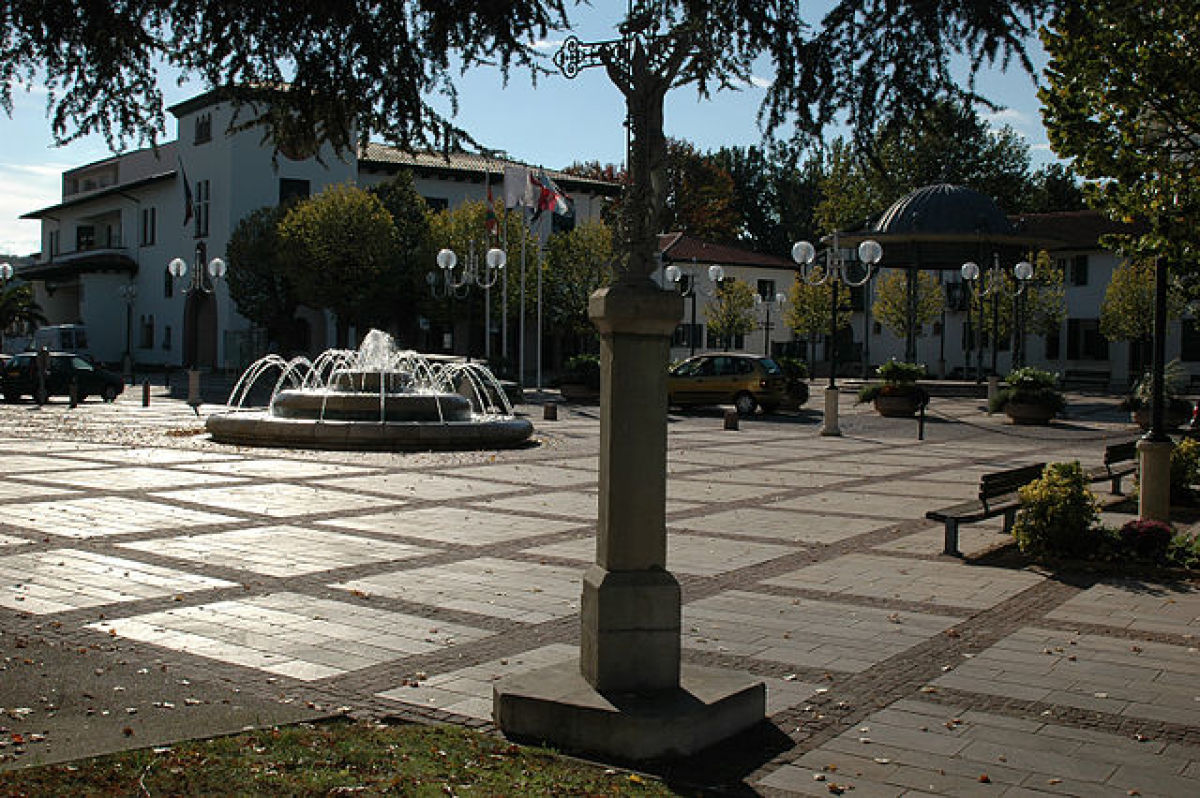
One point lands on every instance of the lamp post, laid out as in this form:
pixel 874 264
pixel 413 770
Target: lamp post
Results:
pixel 834 272
pixel 767 304
pixel 178 269
pixel 1022 273
pixel 972 276
pixel 128 293
pixel 6 274
pixel 452 287
pixel 674 275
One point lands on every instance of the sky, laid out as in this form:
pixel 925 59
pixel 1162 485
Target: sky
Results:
pixel 554 124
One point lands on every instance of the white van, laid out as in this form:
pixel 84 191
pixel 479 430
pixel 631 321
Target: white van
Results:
pixel 62 338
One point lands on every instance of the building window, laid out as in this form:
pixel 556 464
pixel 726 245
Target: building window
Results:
pixel 1189 340
pixel 1079 270
pixel 766 290
pixel 146 339
pixel 689 335
pixel 292 189
pixel 1053 344
pixel 718 342
pixel 201 202
pixel 149 225
pixel 53 245
pixel 166 337
pixel 203 128
pixel 437 203
pixel 1084 341
pixel 168 284
pixel 85 237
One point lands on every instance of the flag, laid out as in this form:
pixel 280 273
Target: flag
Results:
pixel 518 187
pixel 489 220
pixel 549 196
pixel 187 196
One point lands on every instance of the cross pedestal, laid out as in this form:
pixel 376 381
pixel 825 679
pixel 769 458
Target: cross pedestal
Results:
pixel 629 697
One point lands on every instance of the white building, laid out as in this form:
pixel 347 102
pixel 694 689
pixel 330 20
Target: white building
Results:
pixel 107 243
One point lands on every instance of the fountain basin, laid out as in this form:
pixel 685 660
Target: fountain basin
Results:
pixel 339 405
pixel 258 428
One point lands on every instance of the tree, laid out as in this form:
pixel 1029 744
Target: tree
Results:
pixel 259 284
pixel 337 246
pixel 699 198
pixel 1042 303
pixel 774 194
pixel 731 313
pixel 905 301
pixel 809 311
pixel 577 263
pixel 17 307
pixel 411 255
pixel 1122 99
pixel 1127 312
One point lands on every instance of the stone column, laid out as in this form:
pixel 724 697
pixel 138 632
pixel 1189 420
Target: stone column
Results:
pixel 631 603
pixel 830 425
pixel 1154 480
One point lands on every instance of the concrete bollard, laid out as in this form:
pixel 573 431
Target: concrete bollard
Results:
pixel 550 411
pixel 146 392
pixel 731 419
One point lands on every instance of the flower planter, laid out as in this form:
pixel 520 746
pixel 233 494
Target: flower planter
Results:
pixel 579 393
pixel 1175 415
pixel 899 405
pixel 1029 412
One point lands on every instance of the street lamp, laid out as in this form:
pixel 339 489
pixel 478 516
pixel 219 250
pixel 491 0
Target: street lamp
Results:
pixel 778 303
pixel 971 274
pixel 1022 273
pixel 452 287
pixel 6 272
pixel 674 275
pixel 128 292
pixel 178 269
pixel 834 272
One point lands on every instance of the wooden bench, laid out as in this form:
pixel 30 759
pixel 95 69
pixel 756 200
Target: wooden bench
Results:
pixel 1120 460
pixel 997 496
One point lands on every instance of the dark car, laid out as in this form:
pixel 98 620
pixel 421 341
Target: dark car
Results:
pixel 19 378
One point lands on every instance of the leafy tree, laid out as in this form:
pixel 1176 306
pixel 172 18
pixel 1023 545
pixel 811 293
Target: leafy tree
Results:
pixel 699 197
pixel 808 312
pixel 411 255
pixel 577 263
pixel 1127 312
pixel 337 247
pixel 731 313
pixel 258 281
pixel 1043 303
pixel 774 194
pixel 1122 99
pixel 1055 187
pixel 17 307
pixel 905 301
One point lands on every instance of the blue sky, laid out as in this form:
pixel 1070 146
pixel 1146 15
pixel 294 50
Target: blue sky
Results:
pixel 553 124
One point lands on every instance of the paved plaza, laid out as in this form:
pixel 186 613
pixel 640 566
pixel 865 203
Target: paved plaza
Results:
pixel 155 585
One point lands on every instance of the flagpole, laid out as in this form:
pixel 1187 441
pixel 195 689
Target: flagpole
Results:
pixel 521 317
pixel 541 249
pixel 504 292
pixel 487 289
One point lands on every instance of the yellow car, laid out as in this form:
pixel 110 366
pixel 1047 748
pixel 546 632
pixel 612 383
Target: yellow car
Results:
pixel 745 381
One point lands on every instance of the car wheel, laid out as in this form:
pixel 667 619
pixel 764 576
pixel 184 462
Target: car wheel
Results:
pixel 745 404
pixel 41 395
pixel 12 397
pixel 109 393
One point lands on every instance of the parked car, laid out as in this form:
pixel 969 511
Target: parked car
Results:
pixel 19 378
pixel 746 381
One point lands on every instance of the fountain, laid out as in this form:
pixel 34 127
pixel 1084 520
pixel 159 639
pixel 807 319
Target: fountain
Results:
pixel 375 397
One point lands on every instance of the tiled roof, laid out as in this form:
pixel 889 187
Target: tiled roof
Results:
pixel 680 247
pixel 1073 229
pixel 471 164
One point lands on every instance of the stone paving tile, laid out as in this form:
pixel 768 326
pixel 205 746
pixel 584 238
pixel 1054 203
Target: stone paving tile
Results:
pixel 280 550
pixel 973 539
pixel 938 494
pixel 126 478
pixel 153 455
pixel 24 491
pixel 803 632
pixel 686 554
pixel 104 516
pixel 942 750
pixel 17 464
pixel 1137 679
pixel 852 469
pixel 425 486
pixel 1133 604
pixel 781 524
pixel 586 463
pixel 275 468
pixel 516 591
pixel 860 503
pixel 291 634
pixel 276 499
pixel 12 540
pixel 701 489
pixel 583 505
pixel 468 691
pixel 724 457
pixel 933 581
pixel 453 525
pixel 61 580
pixel 525 474
pixel 780 478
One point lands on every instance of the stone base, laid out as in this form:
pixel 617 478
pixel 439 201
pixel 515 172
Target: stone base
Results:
pixel 558 707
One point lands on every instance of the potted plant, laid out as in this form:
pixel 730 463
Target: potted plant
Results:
pixel 1031 396
pixel 898 396
pixel 795 371
pixel 580 381
pixel 1176 409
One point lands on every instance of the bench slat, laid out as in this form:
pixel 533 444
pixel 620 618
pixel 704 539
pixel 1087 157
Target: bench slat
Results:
pixel 1002 482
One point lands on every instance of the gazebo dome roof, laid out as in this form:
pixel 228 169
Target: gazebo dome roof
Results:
pixel 944 209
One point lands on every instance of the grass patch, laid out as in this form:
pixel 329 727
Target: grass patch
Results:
pixel 335 758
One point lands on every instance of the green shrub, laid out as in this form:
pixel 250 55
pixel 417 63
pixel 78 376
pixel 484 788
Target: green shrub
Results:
pixel 899 379
pixel 793 368
pixel 896 372
pixel 584 369
pixel 1058 514
pixel 1175 385
pixel 1029 385
pixel 1144 539
pixel 1185 469
pixel 1184 551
